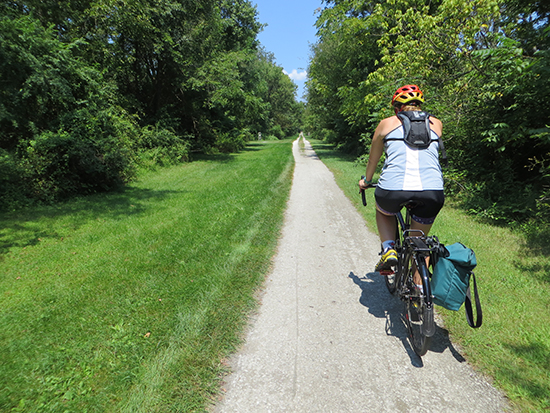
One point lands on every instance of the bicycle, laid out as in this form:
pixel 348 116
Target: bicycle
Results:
pixel 414 249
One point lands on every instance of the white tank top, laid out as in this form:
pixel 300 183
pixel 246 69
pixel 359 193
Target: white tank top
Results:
pixel 408 168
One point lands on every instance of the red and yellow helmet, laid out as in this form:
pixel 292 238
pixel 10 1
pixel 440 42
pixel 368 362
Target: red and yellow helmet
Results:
pixel 406 94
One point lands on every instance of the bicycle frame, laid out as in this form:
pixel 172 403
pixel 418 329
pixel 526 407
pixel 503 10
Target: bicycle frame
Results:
pixel 416 246
pixel 413 248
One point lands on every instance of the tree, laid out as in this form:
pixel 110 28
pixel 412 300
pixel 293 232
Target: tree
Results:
pixel 483 66
pixel 89 89
pixel 346 53
pixel 59 130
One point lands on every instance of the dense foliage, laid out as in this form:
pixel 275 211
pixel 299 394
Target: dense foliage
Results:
pixel 91 90
pixel 484 67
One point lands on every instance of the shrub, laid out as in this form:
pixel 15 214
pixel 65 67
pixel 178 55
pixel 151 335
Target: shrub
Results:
pixel 64 134
pixel 91 152
pixel 13 191
pixel 277 131
pixel 232 141
pixel 160 146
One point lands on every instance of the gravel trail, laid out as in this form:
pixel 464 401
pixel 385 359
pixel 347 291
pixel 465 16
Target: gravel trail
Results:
pixel 328 337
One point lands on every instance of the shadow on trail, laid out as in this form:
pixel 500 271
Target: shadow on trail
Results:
pixel 381 304
pixel 311 155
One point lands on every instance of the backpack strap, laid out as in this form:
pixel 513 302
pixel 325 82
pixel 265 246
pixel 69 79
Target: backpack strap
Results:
pixel 406 122
pixel 469 309
pixel 405 118
pixel 444 159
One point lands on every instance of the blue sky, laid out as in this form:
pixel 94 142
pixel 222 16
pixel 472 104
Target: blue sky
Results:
pixel 289 32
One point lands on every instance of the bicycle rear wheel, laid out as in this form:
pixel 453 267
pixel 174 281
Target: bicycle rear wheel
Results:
pixel 419 318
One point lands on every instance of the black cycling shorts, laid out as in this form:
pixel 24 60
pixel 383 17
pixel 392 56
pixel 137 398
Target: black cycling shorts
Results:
pixel 429 203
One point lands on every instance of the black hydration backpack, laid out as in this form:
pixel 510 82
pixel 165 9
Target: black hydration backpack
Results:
pixel 416 133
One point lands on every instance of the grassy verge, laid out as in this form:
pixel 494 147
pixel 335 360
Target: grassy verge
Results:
pixel 513 345
pixel 129 302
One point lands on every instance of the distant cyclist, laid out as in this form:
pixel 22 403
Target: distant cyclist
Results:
pixel 409 172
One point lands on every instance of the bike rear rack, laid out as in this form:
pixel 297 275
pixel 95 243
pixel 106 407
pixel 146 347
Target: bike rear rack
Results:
pixel 419 242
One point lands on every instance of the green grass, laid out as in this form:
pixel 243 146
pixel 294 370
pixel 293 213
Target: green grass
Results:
pixel 513 345
pixel 130 302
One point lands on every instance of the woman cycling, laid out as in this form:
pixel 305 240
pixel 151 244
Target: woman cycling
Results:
pixel 409 173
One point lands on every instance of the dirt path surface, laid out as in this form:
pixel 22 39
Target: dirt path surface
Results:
pixel 328 337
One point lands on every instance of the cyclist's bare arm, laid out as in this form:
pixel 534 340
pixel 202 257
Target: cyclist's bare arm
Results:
pixel 377 146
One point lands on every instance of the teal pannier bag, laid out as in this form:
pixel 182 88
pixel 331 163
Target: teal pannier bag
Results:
pixel 451 281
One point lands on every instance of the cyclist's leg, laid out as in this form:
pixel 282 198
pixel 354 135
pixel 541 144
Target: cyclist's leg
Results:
pixel 386 210
pixel 425 228
pixel 423 217
pixel 429 205
pixel 387 226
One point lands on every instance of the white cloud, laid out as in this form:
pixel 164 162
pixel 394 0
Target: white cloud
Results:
pixel 295 75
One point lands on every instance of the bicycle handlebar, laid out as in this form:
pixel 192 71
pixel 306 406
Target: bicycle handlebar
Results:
pixel 362 191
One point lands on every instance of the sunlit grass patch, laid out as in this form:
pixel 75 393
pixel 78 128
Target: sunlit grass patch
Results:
pixel 130 301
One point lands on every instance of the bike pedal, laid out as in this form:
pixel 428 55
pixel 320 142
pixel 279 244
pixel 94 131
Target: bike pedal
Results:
pixel 387 272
